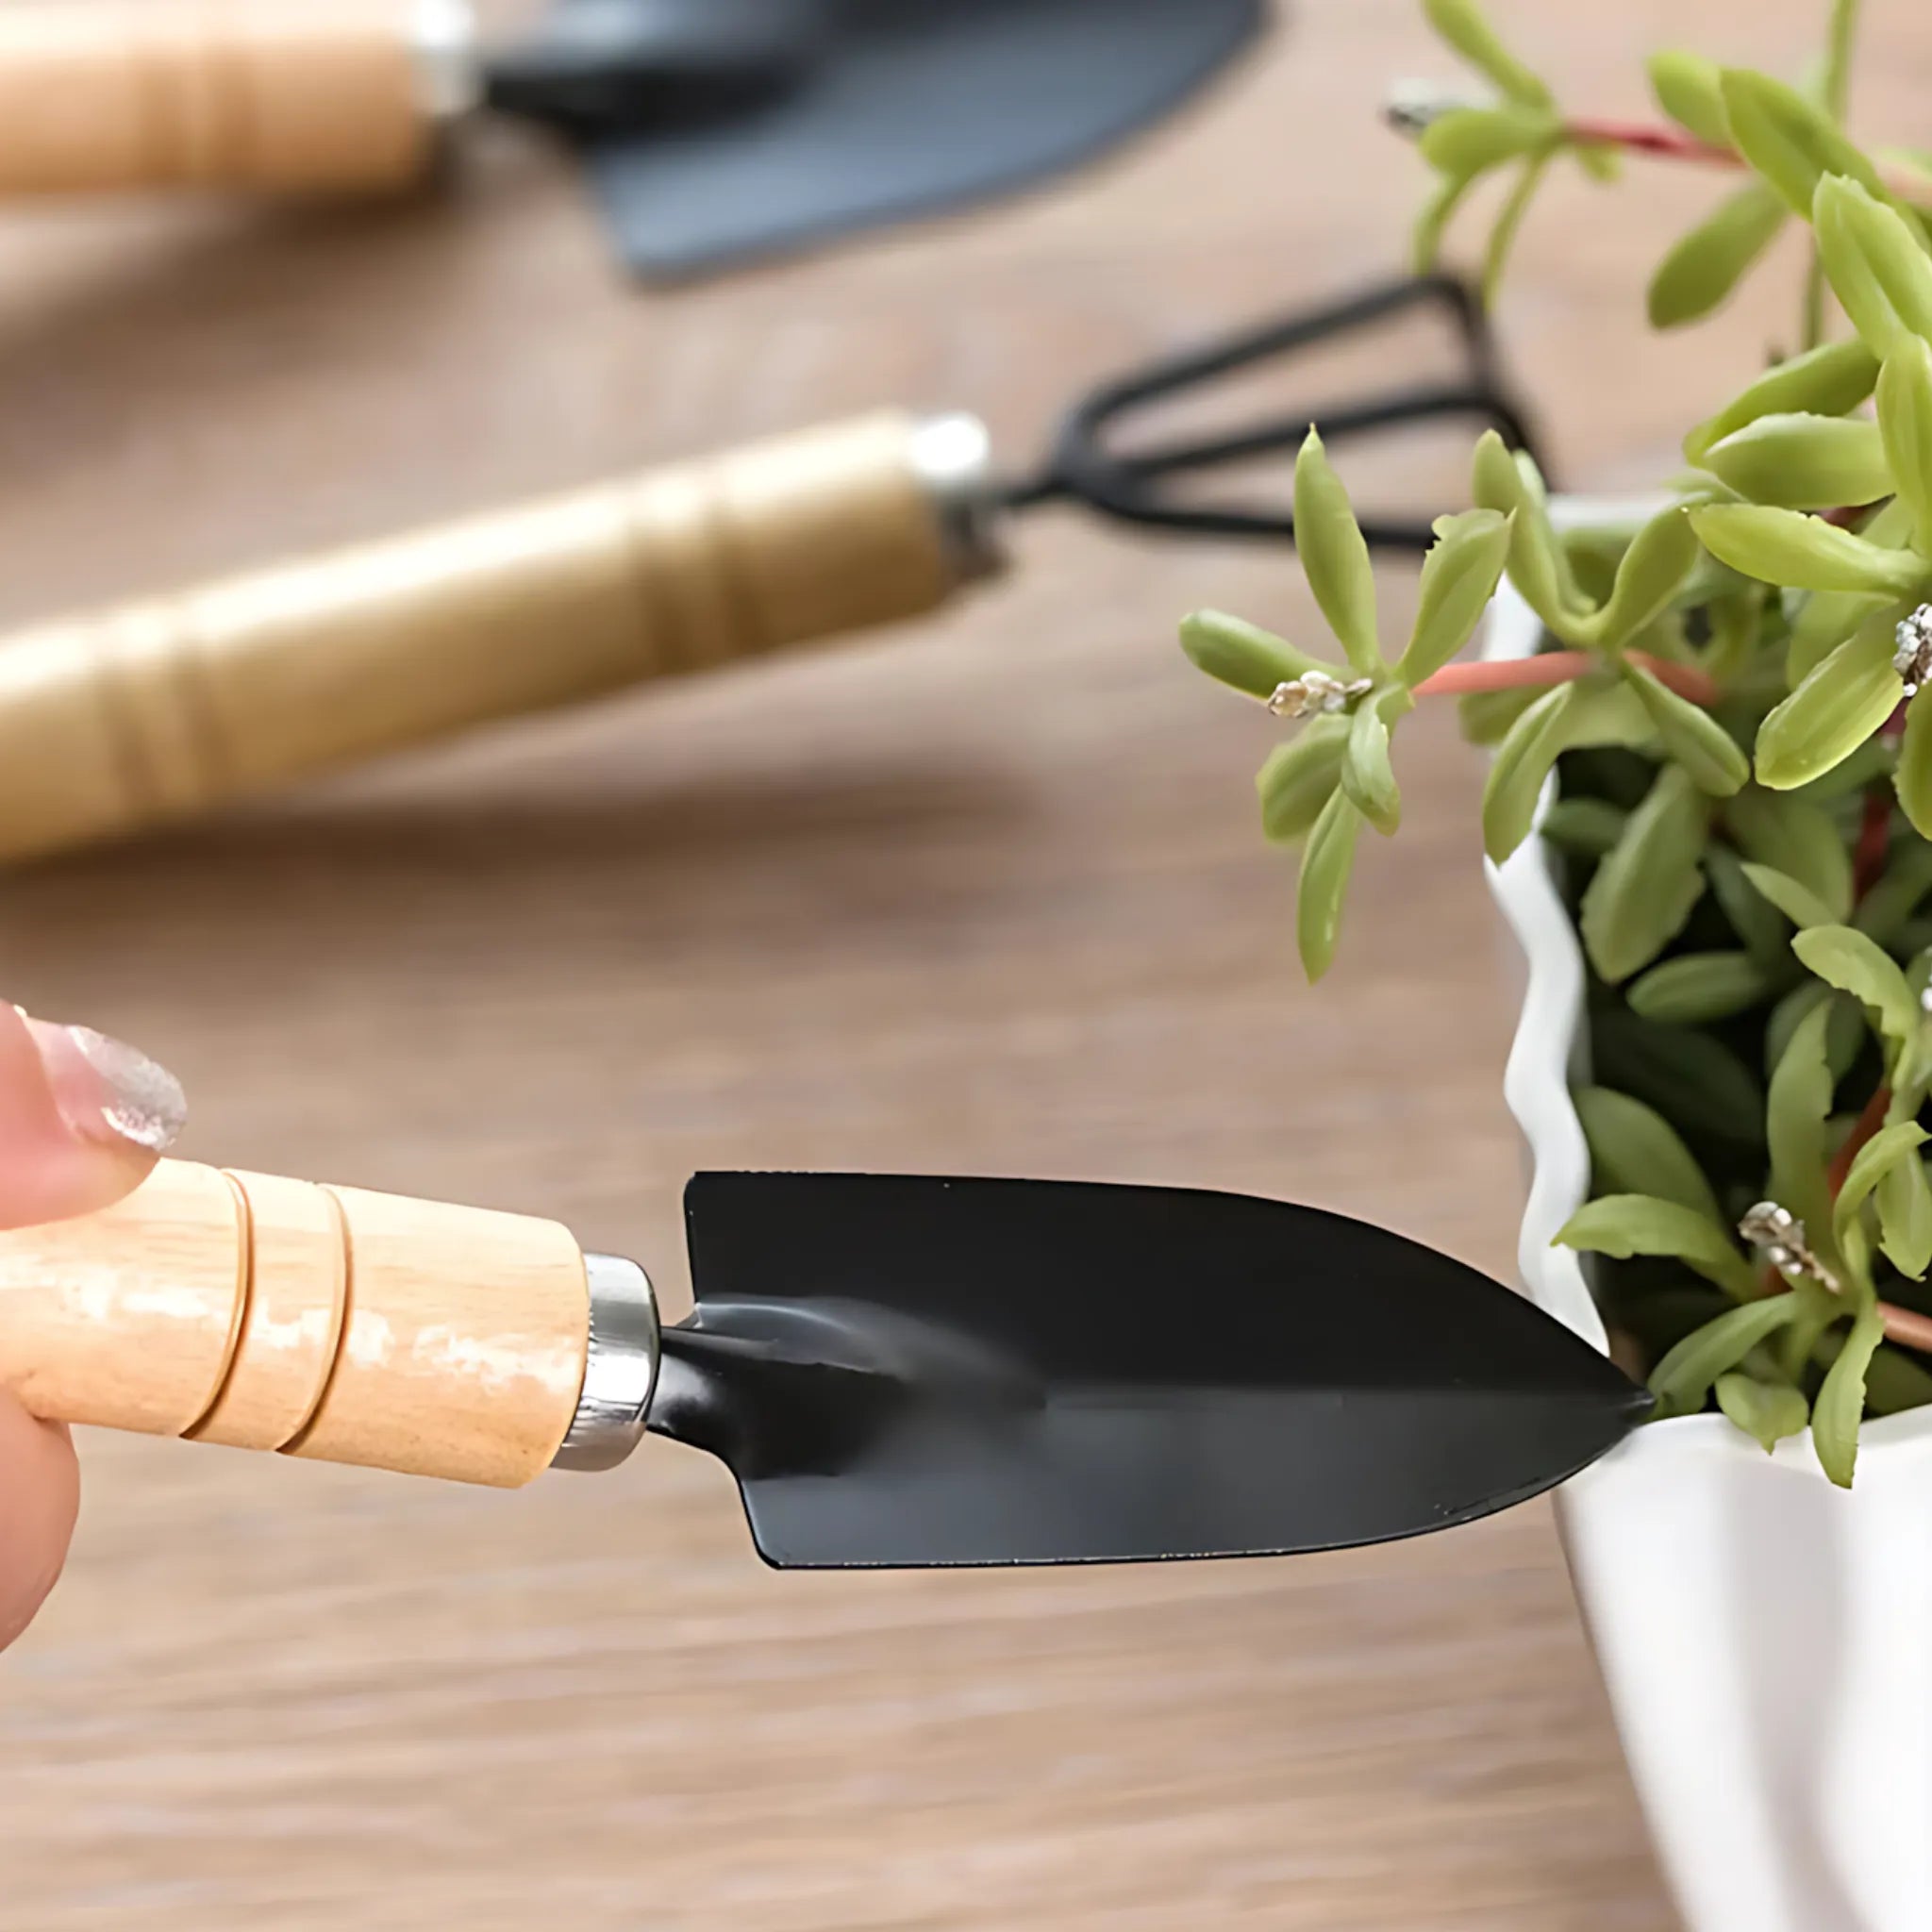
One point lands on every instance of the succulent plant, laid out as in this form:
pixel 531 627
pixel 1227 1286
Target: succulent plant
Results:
pixel 1734 697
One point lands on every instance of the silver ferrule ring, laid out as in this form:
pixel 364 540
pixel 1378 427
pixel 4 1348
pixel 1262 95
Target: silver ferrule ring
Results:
pixel 620 1366
pixel 443 47
pixel 952 456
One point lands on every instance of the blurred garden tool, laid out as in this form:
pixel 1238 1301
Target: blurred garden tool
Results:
pixel 713 129
pixel 156 710
pixel 897 1369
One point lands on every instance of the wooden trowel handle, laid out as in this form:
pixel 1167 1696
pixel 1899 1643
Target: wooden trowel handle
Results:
pixel 321 1322
pixel 286 96
pixel 120 720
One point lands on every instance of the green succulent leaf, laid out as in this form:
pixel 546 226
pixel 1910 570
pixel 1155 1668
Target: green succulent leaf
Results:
pixel 1520 767
pixel 1598 160
pixel 1844 1032
pixel 1913 777
pixel 1463 25
pixel 1707 261
pixel 1367 773
pixel 1682 1380
pixel 1508 220
pixel 1622 1225
pixel 1334 556
pixel 1884 1151
pixel 1826 618
pixel 1695 988
pixel 1691 735
pixel 1796 838
pixel 1872 762
pixel 1425 237
pixel 1768 1412
pixel 1458 578
pixel 1298 777
pixel 1834 82
pixel 1797 902
pixel 1327 859
pixel 1894 1381
pixel 1604 713
pixel 1844 957
pixel 1827 381
pixel 1896 895
pixel 1841 1404
pixel 1800 461
pixel 1874 261
pixel 1585 828
pixel 1905 1217
pixel 1689 88
pixel 1834 711
pixel 1691 1077
pixel 1536 563
pixel 1905 418
pixel 1795 1119
pixel 1467 141
pixel 1789 141
pixel 1486 716
pixel 1244 655
pixel 1761 927
pixel 1634 1150
pixel 1783 547
pixel 1645 891
pixel 1659 559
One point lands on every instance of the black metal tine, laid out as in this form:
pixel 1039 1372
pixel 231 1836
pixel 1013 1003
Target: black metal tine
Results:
pixel 1125 484
pixel 1421 404
pixel 1278 338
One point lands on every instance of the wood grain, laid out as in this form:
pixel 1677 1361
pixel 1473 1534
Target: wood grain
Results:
pixel 114 721
pixel 986 896
pixel 285 96
pixel 336 1324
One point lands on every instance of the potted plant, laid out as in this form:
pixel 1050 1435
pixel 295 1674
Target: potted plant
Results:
pixel 1708 817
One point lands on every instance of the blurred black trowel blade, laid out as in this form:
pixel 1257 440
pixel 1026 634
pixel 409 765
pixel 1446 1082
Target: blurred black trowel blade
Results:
pixel 856 112
pixel 907 1371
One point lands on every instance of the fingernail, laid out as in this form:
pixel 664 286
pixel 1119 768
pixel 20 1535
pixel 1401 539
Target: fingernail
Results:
pixel 109 1090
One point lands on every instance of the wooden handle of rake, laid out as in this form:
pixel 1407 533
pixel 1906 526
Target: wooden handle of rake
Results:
pixel 155 710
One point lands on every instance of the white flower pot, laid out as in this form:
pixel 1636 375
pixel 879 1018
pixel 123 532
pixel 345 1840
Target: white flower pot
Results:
pixel 1766 1638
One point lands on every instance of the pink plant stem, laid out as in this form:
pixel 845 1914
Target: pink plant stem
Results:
pixel 1875 835
pixel 1907 1326
pixel 1644 140
pixel 1561 667
pixel 1638 138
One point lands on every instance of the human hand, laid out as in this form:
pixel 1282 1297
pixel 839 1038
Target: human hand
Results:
pixel 82 1120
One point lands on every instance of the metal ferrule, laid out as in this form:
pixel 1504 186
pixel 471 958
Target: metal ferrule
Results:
pixel 449 69
pixel 619 1368
pixel 952 455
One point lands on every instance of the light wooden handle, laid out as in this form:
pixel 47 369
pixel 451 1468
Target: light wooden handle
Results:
pixel 301 96
pixel 156 710
pixel 320 1321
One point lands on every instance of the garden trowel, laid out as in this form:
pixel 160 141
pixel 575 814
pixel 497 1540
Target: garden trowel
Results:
pixel 712 129
pixel 897 1369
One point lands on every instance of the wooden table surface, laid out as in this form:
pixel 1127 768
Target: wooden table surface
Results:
pixel 986 897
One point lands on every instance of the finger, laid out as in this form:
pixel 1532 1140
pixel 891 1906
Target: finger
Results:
pixel 40 1493
pixel 82 1119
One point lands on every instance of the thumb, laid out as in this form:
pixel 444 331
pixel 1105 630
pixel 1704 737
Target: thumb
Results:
pixel 82 1119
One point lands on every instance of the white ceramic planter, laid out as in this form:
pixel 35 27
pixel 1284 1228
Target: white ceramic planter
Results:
pixel 1766 1638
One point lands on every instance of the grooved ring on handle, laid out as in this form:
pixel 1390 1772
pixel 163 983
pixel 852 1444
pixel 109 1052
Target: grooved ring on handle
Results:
pixel 620 1367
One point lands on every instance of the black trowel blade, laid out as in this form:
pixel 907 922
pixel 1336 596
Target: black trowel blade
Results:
pixel 910 1371
pixel 912 106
